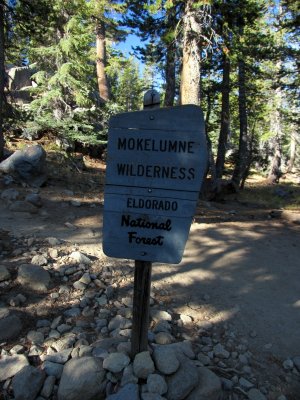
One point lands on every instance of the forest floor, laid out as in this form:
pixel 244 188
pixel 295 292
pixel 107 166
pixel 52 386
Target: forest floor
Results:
pixel 241 264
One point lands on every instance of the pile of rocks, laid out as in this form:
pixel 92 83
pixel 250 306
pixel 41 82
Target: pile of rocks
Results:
pixel 65 329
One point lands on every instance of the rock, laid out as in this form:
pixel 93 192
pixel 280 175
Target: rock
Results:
pixel 156 384
pixel 10 327
pixel 116 362
pixel 158 315
pixel 128 392
pixel 48 386
pixel 53 241
pixel 10 194
pixel 296 361
pixel 80 258
pixel 86 279
pixel 4 273
pixel 209 386
pixel 34 199
pixel 183 381
pixel 164 338
pixel 23 206
pixel 255 394
pixel 60 357
pixel 186 319
pixel 11 365
pixel 220 351
pixel 143 365
pixel 72 313
pixel 34 277
pixel 27 383
pixel 245 384
pixel 288 364
pixel 82 379
pixel 119 322
pixel 39 260
pixel 162 326
pixel 184 347
pixel 35 337
pixel 128 376
pixel 152 396
pixel 79 285
pixel 27 164
pixel 166 360
pixel 52 369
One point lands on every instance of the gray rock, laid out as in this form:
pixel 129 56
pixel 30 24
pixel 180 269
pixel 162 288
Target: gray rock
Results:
pixel 79 285
pixel 158 315
pixel 245 384
pixel 10 194
pixel 28 164
pixel 183 381
pixel 72 312
pixel 143 365
pixel 152 396
pixel 296 361
pixel 80 258
pixel 288 364
pixel 4 273
pixel 10 327
pixel 4 312
pixel 39 260
pixel 128 392
pixel 156 384
pixel 255 394
pixel 27 383
pixel 23 206
pixel 164 338
pixel 184 347
pixel 34 277
pixel 34 199
pixel 220 351
pixel 166 360
pixel 116 362
pixel 11 365
pixel 209 386
pixel 162 326
pixel 60 357
pixel 82 379
pixel 86 278
pixel 119 322
pixel 35 337
pixel 53 241
pixel 48 386
pixel 128 376
pixel 52 369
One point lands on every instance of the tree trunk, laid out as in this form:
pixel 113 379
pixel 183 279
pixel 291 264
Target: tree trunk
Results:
pixel 170 76
pixel 2 79
pixel 103 85
pixel 293 151
pixel 243 158
pixel 190 74
pixel 275 168
pixel 224 131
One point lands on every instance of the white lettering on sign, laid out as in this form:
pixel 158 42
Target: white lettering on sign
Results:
pixel 155 171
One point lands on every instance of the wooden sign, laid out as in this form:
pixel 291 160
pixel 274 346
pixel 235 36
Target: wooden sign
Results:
pixel 155 167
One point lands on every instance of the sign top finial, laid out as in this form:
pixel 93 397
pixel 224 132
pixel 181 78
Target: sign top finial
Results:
pixel 151 99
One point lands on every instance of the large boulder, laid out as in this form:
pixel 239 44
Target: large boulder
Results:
pixel 27 164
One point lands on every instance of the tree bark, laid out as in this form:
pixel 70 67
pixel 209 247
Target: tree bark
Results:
pixel 243 158
pixel 190 74
pixel 2 79
pixel 170 76
pixel 293 151
pixel 225 118
pixel 103 85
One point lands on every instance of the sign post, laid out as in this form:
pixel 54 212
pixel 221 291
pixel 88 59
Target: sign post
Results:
pixel 155 165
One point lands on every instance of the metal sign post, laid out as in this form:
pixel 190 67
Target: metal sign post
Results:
pixel 155 165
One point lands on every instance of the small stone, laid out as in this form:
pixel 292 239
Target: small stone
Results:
pixel 48 387
pixel 53 241
pixel 53 369
pixel 158 315
pixel 34 277
pixel 80 258
pixel 128 376
pixel 128 392
pixel 35 337
pixel 79 285
pixel 64 328
pixel 156 384
pixel 10 194
pixel 4 273
pixel 86 279
pixel 296 361
pixel 39 260
pixel 220 351
pixel 164 338
pixel 165 360
pixel 186 319
pixel 245 384
pixel 34 199
pixel 143 365
pixel 288 364
pixel 116 362
pixel 255 394
pixel 72 312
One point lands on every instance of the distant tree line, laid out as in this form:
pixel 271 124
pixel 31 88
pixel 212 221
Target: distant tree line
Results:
pixel 238 59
